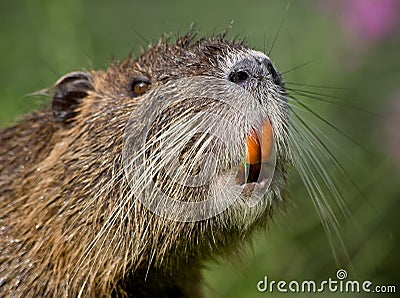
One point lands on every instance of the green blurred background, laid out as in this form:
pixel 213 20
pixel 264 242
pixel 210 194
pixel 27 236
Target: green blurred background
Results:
pixel 355 50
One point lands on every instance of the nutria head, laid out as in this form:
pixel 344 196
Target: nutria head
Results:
pixel 136 175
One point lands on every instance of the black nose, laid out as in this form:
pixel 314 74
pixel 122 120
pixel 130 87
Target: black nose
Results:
pixel 271 69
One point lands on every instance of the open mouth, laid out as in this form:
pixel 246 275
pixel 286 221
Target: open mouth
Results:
pixel 256 166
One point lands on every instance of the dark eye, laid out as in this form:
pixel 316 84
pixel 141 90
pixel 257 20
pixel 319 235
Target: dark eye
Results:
pixel 140 86
pixel 238 76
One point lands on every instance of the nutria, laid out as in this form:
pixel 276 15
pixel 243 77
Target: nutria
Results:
pixel 101 193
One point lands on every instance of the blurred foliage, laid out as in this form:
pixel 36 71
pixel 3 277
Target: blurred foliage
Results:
pixel 41 40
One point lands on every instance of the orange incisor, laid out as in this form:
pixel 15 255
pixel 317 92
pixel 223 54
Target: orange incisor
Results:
pixel 256 151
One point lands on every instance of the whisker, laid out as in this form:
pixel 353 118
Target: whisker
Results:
pixel 299 66
pixel 315 86
pixel 330 182
pixel 324 211
pixel 279 29
pixel 340 102
pixel 327 123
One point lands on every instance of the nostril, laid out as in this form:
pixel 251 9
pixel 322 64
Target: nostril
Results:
pixel 271 69
pixel 238 76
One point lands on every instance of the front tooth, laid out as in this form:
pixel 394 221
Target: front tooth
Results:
pixel 267 142
pixel 253 149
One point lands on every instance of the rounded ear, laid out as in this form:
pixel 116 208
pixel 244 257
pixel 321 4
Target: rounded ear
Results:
pixel 70 90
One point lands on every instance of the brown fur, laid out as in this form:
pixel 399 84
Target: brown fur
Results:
pixel 61 182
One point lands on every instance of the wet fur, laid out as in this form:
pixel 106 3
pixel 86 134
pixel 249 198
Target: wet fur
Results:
pixel 63 224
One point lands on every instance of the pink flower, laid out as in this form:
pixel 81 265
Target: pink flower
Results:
pixel 370 19
pixel 365 20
